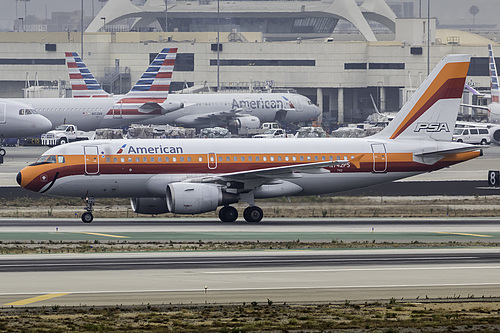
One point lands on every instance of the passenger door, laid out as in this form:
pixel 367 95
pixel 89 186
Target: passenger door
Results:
pixel 91 156
pixel 379 157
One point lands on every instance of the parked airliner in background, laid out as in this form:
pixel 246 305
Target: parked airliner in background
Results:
pixel 191 176
pixel 243 110
pixel 147 99
pixel 494 107
pixel 20 120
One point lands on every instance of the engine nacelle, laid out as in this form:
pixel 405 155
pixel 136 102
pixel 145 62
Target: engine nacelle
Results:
pixel 169 106
pixel 195 198
pixel 149 205
pixel 248 122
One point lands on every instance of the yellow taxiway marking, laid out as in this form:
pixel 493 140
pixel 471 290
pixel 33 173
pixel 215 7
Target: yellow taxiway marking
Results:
pixel 36 299
pixel 461 234
pixel 98 234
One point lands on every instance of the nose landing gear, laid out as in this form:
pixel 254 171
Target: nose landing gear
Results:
pixel 88 217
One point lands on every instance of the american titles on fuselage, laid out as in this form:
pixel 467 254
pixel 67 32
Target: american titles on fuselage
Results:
pixel 262 104
pixel 151 150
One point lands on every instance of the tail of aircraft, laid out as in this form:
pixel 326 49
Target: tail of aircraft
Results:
pixel 83 83
pixel 495 91
pixel 155 82
pixel 431 113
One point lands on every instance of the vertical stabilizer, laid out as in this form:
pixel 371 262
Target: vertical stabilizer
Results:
pixel 431 113
pixel 83 83
pixel 495 92
pixel 155 82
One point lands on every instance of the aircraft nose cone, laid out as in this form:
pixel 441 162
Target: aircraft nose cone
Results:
pixel 45 124
pixel 19 178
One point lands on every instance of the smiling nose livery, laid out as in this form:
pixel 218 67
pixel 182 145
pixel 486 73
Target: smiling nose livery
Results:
pixel 192 176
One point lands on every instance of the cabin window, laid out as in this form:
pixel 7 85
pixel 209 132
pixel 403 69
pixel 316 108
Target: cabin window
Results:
pixel 181 159
pixel 227 158
pixel 144 159
pixel 167 159
pixel 235 158
pixel 294 158
pixel 345 157
pixel 60 159
pixel 130 159
pixel 256 158
pixel 174 159
pixel 137 159
pixel 189 158
pixel 323 158
pixel 338 158
pixel 220 158
pixel 200 159
pixel 107 159
pixel 279 158
pixel 159 159
pixel 152 159
pixel 242 158
pixel 301 158
pixel 308 158
pixel 286 158
pixel 122 159
pixel 115 159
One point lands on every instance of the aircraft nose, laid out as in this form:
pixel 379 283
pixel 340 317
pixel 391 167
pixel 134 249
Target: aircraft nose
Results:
pixel 19 178
pixel 44 124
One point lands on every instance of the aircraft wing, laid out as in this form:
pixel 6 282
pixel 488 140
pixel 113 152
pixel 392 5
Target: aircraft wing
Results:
pixel 475 106
pixel 253 178
pixel 219 115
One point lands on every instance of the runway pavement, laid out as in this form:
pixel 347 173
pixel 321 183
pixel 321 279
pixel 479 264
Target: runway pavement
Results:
pixel 222 277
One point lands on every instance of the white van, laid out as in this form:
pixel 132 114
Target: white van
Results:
pixel 472 135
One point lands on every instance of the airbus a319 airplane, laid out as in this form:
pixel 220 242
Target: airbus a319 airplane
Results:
pixel 191 176
pixel 20 120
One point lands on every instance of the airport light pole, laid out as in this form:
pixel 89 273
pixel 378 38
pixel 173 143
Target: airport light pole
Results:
pixel 218 45
pixel 428 36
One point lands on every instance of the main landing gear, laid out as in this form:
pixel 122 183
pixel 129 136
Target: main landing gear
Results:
pixel 87 217
pixel 251 214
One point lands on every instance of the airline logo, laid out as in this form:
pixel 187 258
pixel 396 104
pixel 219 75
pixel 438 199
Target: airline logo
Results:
pixel 448 84
pixel 261 103
pixel 433 127
pixel 155 82
pixel 121 149
pixel 83 83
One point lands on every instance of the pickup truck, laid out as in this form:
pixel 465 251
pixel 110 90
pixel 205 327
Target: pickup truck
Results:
pixel 63 134
pixel 272 133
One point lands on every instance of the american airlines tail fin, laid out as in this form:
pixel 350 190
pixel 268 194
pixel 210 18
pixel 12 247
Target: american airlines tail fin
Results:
pixel 83 83
pixel 155 82
pixel 495 92
pixel 431 113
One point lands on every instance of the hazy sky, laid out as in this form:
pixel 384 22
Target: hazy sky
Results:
pixel 447 11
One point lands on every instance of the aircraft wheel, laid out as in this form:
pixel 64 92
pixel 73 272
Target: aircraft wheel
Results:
pixel 87 217
pixel 2 152
pixel 228 214
pixel 253 214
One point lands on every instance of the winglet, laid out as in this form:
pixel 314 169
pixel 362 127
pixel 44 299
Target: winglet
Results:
pixel 83 83
pixel 431 112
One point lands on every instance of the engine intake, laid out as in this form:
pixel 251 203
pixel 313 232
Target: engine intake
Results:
pixel 194 198
pixel 248 122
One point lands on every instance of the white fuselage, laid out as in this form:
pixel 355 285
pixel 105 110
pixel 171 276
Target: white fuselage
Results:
pixel 19 120
pixel 143 168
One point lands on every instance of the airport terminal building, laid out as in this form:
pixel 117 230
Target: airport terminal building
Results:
pixel 340 71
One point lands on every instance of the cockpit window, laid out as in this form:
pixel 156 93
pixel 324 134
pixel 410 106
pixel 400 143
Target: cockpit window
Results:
pixel 60 159
pixel 47 159
pixel 26 111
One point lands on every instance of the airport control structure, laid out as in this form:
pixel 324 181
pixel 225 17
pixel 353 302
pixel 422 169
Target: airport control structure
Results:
pixel 349 57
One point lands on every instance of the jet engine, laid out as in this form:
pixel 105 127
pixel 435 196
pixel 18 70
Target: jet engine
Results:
pixel 169 106
pixel 495 134
pixel 194 198
pixel 149 205
pixel 249 122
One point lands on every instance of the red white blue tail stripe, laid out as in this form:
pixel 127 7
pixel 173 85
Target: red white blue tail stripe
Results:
pixel 495 92
pixel 155 82
pixel 83 83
